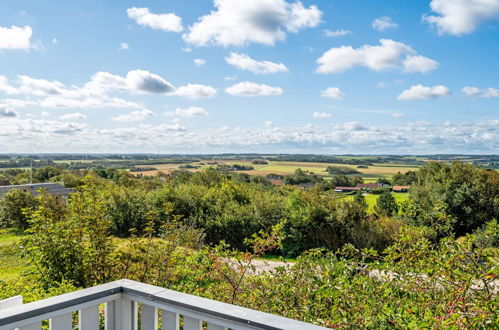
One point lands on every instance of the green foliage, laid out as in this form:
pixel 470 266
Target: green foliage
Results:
pixel 13 208
pixel 386 205
pixel 341 170
pixel 404 179
pixel 70 242
pixel 467 194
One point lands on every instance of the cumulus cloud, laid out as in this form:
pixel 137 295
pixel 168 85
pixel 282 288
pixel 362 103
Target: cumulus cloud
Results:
pixel 387 55
pixel 485 93
pixel 321 115
pixel 384 23
pixel 188 112
pixel 93 94
pixel 420 92
pixel 15 38
pixel 199 61
pixel 244 62
pixel 145 82
pixel 166 22
pixel 137 115
pixel 418 63
pixel 196 91
pixel 268 123
pixel 72 116
pixel 240 22
pixel 123 46
pixel 337 33
pixel 333 93
pixel 7 111
pixel 251 89
pixel 458 17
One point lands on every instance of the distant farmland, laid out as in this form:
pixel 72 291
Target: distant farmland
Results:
pixel 288 168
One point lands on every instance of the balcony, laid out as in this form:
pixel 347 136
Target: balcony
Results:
pixel 130 305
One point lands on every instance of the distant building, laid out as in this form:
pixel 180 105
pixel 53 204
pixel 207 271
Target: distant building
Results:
pixel 368 185
pixel 402 189
pixel 347 189
pixel 34 188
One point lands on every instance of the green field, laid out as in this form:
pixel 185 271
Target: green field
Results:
pixel 11 264
pixel 371 199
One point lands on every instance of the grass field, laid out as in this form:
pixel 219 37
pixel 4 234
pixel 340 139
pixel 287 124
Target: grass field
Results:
pixel 11 264
pixel 371 199
pixel 288 168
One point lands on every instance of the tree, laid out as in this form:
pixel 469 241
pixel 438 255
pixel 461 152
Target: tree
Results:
pixel 466 193
pixel 360 199
pixel 13 206
pixel 386 204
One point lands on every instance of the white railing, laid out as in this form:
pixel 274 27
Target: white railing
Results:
pixel 130 305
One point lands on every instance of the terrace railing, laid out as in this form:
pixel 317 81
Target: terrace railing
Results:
pixel 130 305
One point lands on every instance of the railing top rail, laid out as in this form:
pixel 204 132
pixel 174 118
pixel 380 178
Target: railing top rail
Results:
pixel 159 295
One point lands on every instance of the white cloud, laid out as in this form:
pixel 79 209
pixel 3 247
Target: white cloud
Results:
pixel 485 93
pixel 15 38
pixel 137 115
pixel 240 22
pixel 418 63
pixel 7 111
pixel 54 41
pixel 6 87
pixel 143 81
pixel 186 49
pixel 72 116
pixel 384 23
pixel 333 93
pixel 45 114
pixel 388 55
pixel 251 89
pixel 458 17
pixel 244 62
pixel 230 78
pixel 188 112
pixel 268 123
pixel 397 115
pixel 337 33
pixel 196 91
pixel 199 61
pixel 420 92
pixel 321 115
pixel 166 22
pixel 40 87
pixel 123 46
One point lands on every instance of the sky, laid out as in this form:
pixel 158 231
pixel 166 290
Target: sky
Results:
pixel 243 76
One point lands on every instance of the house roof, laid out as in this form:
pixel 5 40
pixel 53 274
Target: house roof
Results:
pixel 51 188
pixel 348 188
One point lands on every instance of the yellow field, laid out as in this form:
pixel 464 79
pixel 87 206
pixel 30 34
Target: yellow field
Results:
pixel 288 168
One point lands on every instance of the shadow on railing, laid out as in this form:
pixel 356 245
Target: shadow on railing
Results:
pixel 130 305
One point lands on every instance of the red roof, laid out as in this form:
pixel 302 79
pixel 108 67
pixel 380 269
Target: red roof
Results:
pixel 348 188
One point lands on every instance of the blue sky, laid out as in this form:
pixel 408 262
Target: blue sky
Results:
pixel 203 76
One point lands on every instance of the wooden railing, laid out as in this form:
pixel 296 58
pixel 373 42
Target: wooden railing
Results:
pixel 130 305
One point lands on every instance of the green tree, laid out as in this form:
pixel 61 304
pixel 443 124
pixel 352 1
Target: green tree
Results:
pixel 466 193
pixel 386 205
pixel 13 206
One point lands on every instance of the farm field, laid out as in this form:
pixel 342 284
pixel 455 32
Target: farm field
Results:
pixel 288 168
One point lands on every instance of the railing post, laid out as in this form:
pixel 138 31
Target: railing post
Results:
pixel 63 322
pixel 123 310
pixel 192 324
pixel 149 317
pixel 169 320
pixel 89 318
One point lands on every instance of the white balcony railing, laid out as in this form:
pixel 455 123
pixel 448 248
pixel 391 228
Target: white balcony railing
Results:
pixel 130 305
